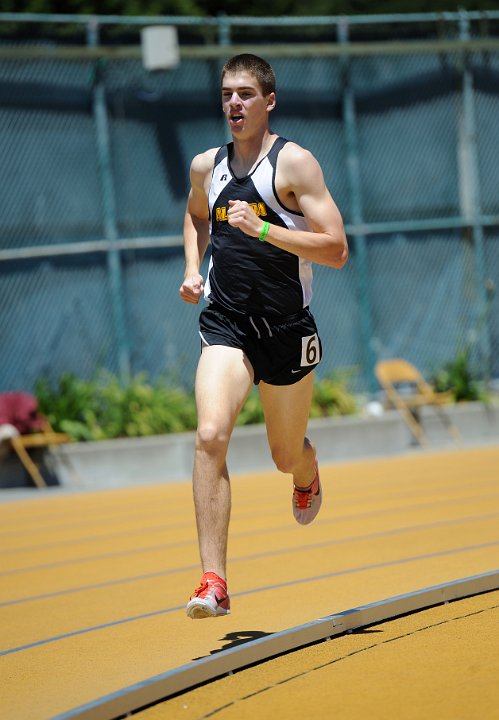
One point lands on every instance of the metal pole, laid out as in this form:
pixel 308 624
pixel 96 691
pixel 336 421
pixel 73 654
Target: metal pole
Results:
pixel 224 28
pixel 224 41
pixel 469 184
pixel 359 239
pixel 110 222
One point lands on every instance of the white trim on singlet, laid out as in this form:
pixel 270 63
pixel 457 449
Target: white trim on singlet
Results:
pixel 220 177
pixel 263 180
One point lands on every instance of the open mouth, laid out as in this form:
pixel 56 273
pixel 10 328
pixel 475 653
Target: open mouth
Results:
pixel 236 118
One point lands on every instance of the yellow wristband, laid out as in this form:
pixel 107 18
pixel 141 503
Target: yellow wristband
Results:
pixel 265 229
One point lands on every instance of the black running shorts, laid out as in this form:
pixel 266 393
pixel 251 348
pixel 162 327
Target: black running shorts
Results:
pixel 281 350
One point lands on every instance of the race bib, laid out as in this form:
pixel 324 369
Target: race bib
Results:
pixel 310 350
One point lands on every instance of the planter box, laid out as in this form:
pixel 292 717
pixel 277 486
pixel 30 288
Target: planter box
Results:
pixel 169 458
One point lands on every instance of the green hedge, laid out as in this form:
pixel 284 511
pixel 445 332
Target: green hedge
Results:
pixel 458 378
pixel 105 408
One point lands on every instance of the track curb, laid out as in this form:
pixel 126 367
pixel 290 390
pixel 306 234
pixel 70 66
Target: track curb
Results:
pixel 160 687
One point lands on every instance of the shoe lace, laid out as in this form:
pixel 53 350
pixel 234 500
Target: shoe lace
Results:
pixel 201 589
pixel 205 585
pixel 303 500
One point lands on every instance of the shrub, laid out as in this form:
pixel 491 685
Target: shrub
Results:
pixel 105 407
pixel 331 397
pixel 457 377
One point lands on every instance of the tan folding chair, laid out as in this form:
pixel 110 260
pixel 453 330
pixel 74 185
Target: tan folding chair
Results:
pixel 407 390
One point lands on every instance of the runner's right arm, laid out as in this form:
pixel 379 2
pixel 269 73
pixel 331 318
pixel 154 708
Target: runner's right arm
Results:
pixel 196 227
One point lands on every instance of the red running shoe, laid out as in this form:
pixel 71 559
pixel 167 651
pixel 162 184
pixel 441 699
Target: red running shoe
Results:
pixel 210 599
pixel 307 503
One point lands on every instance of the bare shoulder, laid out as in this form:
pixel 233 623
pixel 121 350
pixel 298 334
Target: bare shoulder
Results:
pixel 203 163
pixel 298 163
pixel 295 153
pixel 200 173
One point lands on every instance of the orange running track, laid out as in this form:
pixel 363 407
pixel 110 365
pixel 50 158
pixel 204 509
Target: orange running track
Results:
pixel 93 585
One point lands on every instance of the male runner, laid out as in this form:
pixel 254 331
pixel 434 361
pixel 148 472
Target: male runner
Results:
pixel 263 203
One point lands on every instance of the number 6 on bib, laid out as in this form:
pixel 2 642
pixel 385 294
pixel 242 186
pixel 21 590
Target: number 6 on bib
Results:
pixel 310 350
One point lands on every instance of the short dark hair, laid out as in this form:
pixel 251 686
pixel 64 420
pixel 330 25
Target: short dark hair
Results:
pixel 256 66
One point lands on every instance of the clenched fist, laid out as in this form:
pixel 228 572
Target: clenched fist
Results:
pixel 191 289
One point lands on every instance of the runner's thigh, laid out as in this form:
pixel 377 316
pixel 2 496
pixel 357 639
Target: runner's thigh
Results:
pixel 223 381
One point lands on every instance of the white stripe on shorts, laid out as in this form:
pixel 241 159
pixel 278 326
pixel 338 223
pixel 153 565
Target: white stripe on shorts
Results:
pixel 203 340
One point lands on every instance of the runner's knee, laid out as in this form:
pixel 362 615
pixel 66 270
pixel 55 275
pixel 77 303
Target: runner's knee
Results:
pixel 212 439
pixel 285 459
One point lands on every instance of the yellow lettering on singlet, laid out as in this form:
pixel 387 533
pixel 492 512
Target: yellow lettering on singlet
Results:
pixel 259 208
pixel 221 214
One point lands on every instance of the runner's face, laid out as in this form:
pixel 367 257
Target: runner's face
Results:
pixel 244 105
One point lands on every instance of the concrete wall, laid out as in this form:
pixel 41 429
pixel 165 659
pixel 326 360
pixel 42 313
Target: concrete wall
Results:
pixel 169 458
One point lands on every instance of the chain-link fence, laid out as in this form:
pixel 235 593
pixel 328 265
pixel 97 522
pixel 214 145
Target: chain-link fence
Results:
pixel 96 154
